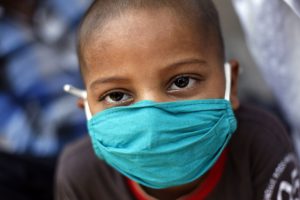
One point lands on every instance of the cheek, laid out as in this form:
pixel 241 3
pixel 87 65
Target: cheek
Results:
pixel 215 86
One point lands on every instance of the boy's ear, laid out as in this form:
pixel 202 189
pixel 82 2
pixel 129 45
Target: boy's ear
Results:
pixel 80 103
pixel 235 102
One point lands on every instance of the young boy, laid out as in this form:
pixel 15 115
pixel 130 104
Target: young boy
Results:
pixel 162 104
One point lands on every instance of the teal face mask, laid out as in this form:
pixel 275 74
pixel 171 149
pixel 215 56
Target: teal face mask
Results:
pixel 161 145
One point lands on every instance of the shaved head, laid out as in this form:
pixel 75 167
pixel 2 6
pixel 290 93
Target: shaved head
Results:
pixel 200 13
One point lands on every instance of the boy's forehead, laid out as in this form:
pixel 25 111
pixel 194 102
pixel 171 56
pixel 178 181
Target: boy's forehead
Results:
pixel 145 30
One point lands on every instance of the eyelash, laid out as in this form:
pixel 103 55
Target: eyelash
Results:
pixel 190 77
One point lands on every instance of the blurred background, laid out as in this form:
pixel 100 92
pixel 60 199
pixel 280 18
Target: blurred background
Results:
pixel 37 119
pixel 38 56
pixel 264 36
pixel 252 86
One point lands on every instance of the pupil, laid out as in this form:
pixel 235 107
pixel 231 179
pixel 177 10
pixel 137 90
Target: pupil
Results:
pixel 116 96
pixel 182 82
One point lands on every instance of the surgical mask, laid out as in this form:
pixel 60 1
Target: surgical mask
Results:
pixel 161 145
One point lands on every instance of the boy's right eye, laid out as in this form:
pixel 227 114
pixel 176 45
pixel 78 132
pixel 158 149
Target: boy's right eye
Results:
pixel 116 98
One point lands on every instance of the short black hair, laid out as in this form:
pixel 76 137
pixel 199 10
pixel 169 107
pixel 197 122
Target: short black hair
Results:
pixel 199 11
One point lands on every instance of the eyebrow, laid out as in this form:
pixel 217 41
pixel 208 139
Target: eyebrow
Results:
pixel 172 66
pixel 186 62
pixel 107 80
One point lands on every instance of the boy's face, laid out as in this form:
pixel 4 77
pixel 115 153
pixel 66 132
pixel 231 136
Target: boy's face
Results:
pixel 150 55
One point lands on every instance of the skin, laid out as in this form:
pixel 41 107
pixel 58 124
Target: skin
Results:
pixel 144 55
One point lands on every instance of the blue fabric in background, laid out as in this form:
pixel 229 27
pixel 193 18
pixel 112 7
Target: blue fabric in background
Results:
pixel 36 116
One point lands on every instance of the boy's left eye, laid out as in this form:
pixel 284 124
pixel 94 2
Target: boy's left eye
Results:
pixel 182 82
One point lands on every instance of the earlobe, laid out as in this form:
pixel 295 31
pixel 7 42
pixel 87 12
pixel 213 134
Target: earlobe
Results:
pixel 80 103
pixel 234 84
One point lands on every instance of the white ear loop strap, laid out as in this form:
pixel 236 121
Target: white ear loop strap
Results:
pixel 81 94
pixel 227 68
pixel 87 110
